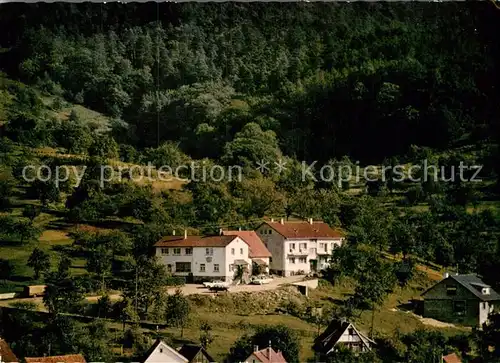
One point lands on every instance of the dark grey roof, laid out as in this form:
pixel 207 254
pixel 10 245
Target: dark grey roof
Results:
pixel 190 351
pixel 469 281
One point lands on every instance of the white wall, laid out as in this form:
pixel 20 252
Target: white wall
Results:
pixel 221 256
pixel 198 257
pixel 240 253
pixel 163 353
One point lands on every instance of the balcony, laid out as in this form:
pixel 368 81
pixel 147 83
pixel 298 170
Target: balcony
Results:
pixel 298 252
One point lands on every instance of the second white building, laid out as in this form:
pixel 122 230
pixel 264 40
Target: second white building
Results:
pixel 203 258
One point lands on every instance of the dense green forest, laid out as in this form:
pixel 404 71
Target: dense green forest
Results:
pixel 330 80
pixel 87 85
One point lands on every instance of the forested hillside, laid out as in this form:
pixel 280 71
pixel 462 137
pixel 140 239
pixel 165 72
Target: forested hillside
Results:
pixel 92 87
pixel 329 79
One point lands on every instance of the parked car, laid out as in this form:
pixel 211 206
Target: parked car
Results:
pixel 260 280
pixel 209 284
pixel 219 287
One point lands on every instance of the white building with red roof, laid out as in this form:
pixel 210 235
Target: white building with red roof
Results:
pixel 299 247
pixel 258 252
pixel 203 258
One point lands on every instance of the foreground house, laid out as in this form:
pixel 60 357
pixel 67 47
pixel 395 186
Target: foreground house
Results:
pixel 6 354
pixel 161 352
pixel 195 354
pixel 258 252
pixel 463 299
pixel 341 333
pixel 299 247
pixel 266 355
pixel 202 258
pixel 69 358
pixel 451 358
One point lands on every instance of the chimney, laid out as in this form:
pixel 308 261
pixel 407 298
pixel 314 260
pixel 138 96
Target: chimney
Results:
pixel 446 275
pixel 239 228
pixel 282 221
pixel 310 220
pixel 255 348
pixel 272 220
pixel 269 349
pixel 220 231
pixel 173 232
pixel 185 234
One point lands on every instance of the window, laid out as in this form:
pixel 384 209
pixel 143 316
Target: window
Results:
pixel 270 231
pixel 459 307
pixel 169 268
pixel 292 246
pixel 164 251
pixel 161 350
pixel 322 246
pixel 209 251
pixel 232 251
pixel 241 251
pixel 302 260
pixel 451 290
pixel 202 267
pixel 183 266
pixel 216 267
pixel 303 246
pixel 351 331
pixel 292 259
pixel 231 267
pixel 189 251
pixel 325 246
pixel 177 251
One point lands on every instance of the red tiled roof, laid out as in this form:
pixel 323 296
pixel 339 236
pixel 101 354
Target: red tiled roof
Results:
pixel 305 229
pixel 7 355
pixel 257 247
pixel 195 241
pixel 268 355
pixel 70 358
pixel 451 358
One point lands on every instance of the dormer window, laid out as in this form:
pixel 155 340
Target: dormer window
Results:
pixel 485 291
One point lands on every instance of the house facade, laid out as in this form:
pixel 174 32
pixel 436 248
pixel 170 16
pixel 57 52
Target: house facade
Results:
pixel 203 258
pixel 258 252
pixel 299 247
pixel 462 299
pixel 341 333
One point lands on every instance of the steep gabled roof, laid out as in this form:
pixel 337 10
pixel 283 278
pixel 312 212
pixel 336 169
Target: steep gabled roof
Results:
pixel 473 284
pixel 307 230
pixel 190 351
pixel 69 358
pixel 195 241
pixel 155 346
pixel 269 355
pixel 330 337
pixel 252 239
pixel 6 353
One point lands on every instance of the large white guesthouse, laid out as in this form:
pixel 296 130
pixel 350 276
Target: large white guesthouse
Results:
pixel 299 247
pixel 203 258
